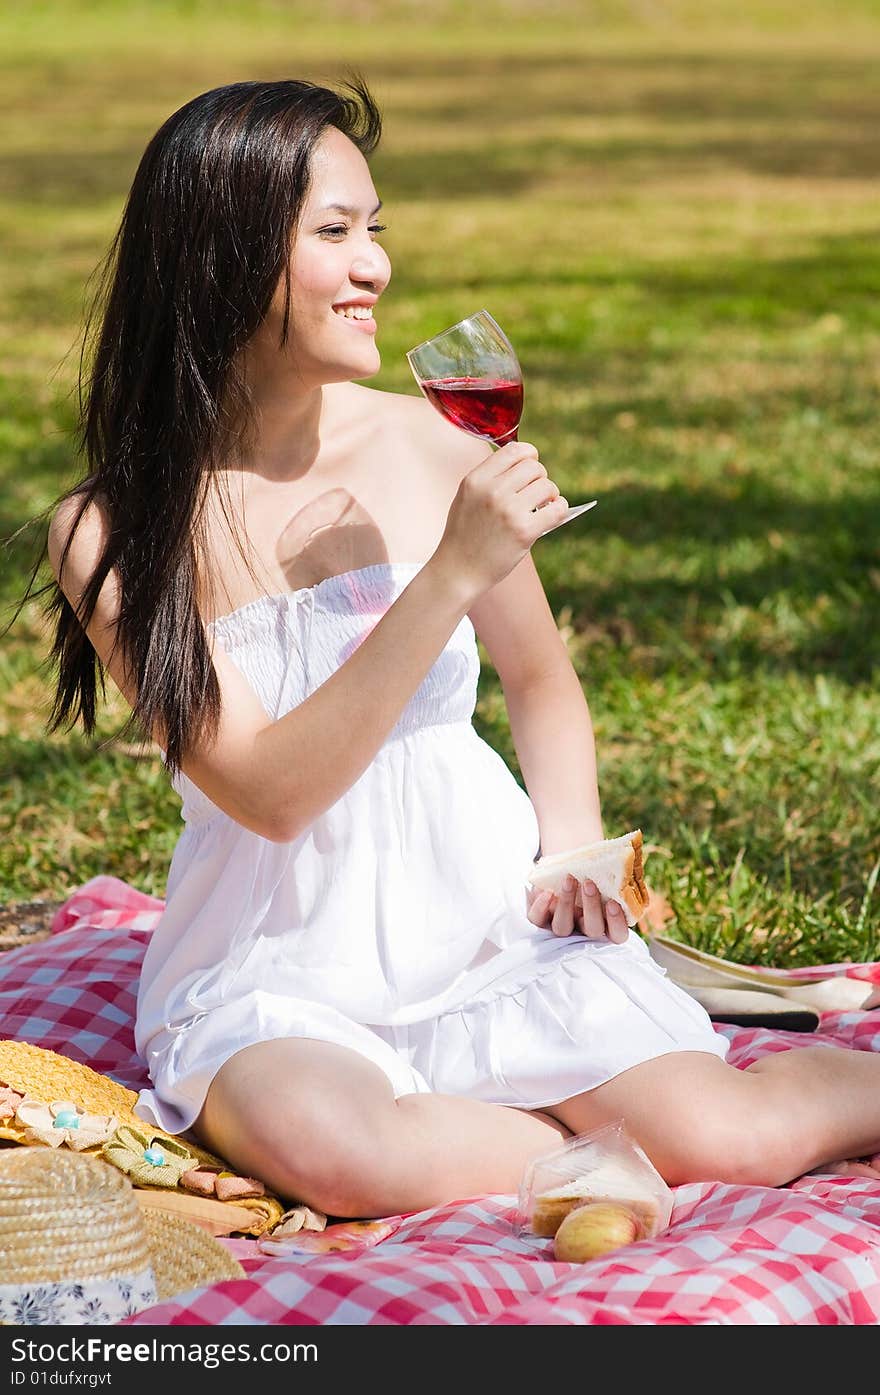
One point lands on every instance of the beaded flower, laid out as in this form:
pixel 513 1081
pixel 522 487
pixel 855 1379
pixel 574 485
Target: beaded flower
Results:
pixel 63 1121
pixel 148 1159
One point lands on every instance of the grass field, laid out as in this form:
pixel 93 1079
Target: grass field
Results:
pixel 677 221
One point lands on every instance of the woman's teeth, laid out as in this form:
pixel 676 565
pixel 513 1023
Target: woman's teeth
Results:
pixel 354 312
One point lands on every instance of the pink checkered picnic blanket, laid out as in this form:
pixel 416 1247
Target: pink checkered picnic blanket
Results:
pixel 806 1254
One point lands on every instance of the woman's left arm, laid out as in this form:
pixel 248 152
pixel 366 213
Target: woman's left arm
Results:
pixel 549 717
pixel 553 735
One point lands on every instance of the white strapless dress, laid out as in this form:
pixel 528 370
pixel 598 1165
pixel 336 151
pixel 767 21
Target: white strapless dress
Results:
pixel 396 924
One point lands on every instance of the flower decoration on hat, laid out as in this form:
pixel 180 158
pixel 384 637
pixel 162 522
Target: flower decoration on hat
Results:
pixel 63 1122
pixel 150 1160
pixel 9 1101
pixel 224 1185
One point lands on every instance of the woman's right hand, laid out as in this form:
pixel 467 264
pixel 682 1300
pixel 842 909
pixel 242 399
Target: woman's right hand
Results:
pixel 502 507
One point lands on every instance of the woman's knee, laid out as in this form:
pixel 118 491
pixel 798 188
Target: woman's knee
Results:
pixel 738 1138
pixel 712 1147
pixel 698 1120
pixel 310 1119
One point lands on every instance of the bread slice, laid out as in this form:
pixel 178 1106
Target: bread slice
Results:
pixel 608 1182
pixel 615 865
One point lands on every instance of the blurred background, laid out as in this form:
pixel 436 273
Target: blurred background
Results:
pixel 673 209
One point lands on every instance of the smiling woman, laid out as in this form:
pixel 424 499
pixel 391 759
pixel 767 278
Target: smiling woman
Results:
pixel 336 272
pixel 284 572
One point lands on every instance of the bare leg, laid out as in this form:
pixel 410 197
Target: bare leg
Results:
pixel 318 1123
pixel 700 1119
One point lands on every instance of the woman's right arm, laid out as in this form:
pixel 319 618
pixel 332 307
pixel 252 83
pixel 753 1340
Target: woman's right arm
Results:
pixel 276 777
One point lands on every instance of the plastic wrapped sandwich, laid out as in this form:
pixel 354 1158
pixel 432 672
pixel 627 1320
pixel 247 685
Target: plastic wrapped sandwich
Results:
pixel 604 1168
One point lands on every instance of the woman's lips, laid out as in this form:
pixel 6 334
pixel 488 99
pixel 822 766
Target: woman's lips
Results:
pixel 365 326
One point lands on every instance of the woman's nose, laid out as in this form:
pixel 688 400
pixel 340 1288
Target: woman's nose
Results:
pixel 372 266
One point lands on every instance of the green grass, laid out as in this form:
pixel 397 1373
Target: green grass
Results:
pixel 676 219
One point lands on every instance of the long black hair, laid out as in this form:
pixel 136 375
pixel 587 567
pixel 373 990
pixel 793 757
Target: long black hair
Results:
pixel 204 239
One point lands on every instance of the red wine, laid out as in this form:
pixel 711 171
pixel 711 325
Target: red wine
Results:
pixel 487 407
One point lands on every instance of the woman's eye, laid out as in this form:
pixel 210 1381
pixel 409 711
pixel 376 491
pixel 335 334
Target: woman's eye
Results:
pixel 341 231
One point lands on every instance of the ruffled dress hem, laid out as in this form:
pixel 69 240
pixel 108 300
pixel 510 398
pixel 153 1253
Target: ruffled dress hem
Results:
pixel 502 1046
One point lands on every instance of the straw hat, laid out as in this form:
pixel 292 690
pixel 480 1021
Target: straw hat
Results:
pixel 47 1076
pixel 75 1246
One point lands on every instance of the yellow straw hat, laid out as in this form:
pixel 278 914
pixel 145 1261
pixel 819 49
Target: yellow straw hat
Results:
pixel 75 1246
pixel 47 1076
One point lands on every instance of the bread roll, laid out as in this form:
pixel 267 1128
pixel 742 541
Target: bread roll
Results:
pixel 615 865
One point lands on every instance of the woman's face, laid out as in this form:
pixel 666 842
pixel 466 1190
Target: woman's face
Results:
pixel 336 262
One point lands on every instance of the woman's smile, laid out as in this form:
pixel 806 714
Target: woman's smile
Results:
pixel 358 314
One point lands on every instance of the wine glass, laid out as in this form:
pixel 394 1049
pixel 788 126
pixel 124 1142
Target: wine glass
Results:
pixel 471 374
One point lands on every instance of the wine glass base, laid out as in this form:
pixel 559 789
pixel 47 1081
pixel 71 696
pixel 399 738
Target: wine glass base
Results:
pixel 574 512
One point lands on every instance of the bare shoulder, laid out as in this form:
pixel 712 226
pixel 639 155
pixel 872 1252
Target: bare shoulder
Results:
pixel 80 530
pixel 410 419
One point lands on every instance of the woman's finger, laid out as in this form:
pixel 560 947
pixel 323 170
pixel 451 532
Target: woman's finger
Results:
pixel 540 905
pixel 618 930
pixel 579 909
pixel 563 916
pixel 594 915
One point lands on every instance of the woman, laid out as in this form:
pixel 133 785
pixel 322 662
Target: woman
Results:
pixel 350 994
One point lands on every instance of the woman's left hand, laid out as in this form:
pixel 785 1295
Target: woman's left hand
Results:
pixel 577 907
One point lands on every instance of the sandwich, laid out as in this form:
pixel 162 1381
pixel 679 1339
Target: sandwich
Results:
pixel 615 865
pixel 612 1182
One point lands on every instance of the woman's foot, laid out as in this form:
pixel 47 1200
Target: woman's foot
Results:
pixel 852 1167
